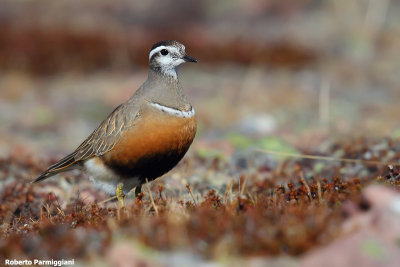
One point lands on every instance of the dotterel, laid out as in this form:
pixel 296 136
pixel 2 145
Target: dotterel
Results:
pixel 142 138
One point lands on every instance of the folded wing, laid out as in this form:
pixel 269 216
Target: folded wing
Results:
pixel 102 140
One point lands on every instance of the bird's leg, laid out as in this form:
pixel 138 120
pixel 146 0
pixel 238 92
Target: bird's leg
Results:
pixel 120 195
pixel 138 190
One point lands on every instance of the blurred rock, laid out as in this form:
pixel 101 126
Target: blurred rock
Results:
pixel 257 125
pixel 372 237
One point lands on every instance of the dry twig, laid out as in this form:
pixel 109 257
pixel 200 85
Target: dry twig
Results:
pixel 151 197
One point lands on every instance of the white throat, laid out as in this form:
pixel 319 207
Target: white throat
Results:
pixel 170 72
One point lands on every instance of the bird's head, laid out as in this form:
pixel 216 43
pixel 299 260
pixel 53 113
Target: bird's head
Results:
pixel 166 56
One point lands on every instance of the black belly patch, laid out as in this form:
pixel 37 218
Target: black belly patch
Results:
pixel 150 167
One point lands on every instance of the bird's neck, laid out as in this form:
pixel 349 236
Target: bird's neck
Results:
pixel 165 90
pixel 170 75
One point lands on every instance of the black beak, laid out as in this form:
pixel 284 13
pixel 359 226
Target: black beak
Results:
pixel 189 59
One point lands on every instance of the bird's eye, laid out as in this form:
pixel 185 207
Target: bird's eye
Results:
pixel 164 52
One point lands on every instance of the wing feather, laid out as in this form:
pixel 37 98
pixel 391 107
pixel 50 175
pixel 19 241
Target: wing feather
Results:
pixel 102 140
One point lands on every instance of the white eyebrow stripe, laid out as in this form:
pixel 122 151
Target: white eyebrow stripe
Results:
pixel 156 50
pixel 159 48
pixel 174 111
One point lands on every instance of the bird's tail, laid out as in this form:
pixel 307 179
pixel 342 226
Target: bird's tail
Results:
pixel 65 164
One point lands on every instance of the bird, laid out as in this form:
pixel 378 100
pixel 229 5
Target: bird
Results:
pixel 144 137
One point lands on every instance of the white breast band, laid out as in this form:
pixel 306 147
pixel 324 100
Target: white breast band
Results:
pixel 174 111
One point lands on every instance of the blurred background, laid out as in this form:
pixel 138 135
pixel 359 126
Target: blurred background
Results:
pixel 304 71
pixel 305 76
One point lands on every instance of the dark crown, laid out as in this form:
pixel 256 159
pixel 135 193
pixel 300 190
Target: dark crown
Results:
pixel 166 43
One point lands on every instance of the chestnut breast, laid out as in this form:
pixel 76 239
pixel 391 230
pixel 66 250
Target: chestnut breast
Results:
pixel 153 145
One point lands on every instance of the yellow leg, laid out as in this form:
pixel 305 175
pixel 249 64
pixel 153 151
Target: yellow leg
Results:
pixel 120 195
